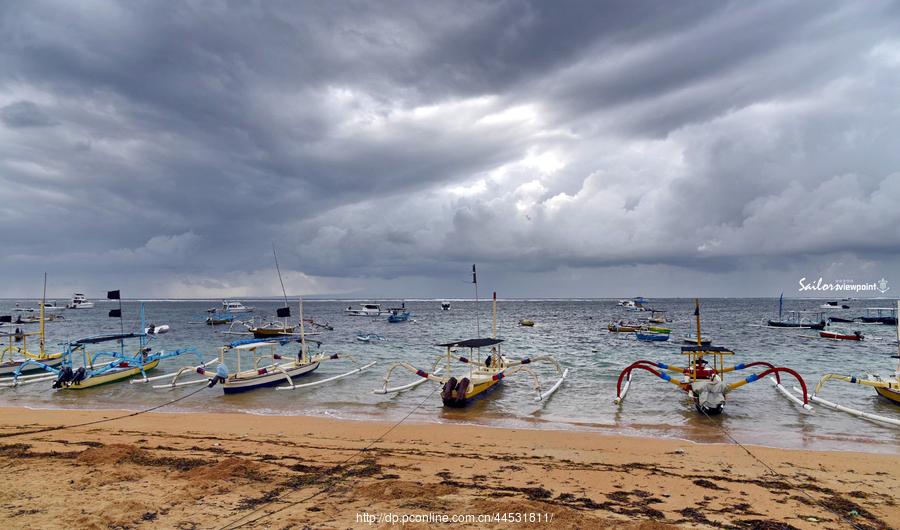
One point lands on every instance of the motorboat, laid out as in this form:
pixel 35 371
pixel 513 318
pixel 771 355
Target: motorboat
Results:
pixel 235 307
pixel 834 305
pixel 79 301
pixel 445 306
pixel 365 310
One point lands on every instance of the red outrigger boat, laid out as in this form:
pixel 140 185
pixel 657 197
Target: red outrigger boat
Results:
pixel 841 336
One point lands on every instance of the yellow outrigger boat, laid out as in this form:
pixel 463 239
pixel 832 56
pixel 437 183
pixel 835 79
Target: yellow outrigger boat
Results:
pixel 483 374
pixel 15 352
pixel 886 387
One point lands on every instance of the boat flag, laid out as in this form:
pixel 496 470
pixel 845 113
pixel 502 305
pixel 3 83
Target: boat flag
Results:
pixel 115 313
pixel 697 310
pixel 283 312
pixel 113 295
pixel 6 318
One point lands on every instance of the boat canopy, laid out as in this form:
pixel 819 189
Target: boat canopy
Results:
pixel 106 338
pixel 706 349
pixel 472 343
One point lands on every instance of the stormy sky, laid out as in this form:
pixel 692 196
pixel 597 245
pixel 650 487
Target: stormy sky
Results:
pixel 571 149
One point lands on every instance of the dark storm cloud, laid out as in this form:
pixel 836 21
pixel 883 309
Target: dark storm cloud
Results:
pixel 170 144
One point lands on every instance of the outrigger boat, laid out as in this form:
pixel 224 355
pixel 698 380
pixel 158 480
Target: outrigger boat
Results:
pixel 217 318
pixel 277 371
pixel 886 387
pixel 398 314
pixel 483 375
pixel 658 317
pixel 651 336
pixel 880 315
pixel 14 355
pixel 705 382
pixel 797 319
pixel 98 368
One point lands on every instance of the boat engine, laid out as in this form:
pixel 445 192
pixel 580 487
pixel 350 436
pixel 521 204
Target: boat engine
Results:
pixel 65 376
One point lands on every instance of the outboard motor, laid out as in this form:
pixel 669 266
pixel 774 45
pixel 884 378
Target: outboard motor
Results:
pixel 78 376
pixel 454 392
pixel 65 375
pixel 447 392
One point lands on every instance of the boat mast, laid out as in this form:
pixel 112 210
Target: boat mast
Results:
pixel 897 373
pixel 495 359
pixel 304 355
pixel 697 314
pixel 477 319
pixel 43 301
pixel 780 305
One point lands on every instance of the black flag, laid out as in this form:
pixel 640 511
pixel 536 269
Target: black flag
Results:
pixel 283 312
pixel 113 295
pixel 697 310
pixel 474 278
pixel 5 318
pixel 115 313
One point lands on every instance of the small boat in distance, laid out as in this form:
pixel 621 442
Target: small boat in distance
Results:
pixel 880 315
pixel 835 335
pixel 651 336
pixel 797 319
pixel 445 306
pixel 79 302
pixel 834 305
pixel 365 310
pixel 235 307
pixel 368 337
pixel 526 322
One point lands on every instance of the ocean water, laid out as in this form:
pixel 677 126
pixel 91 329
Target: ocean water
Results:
pixel 573 331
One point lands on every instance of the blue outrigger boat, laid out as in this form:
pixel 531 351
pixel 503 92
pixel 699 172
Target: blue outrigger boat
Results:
pixel 649 336
pixel 81 369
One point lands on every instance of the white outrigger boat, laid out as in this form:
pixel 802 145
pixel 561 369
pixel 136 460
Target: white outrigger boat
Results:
pixel 267 367
pixel 885 387
pixel 365 310
pixel 234 307
pixel 483 375
pixel 79 302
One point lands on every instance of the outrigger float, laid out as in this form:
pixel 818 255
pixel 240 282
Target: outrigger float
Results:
pixel 267 367
pixel 886 387
pixel 81 369
pixel 484 374
pixel 705 382
pixel 15 353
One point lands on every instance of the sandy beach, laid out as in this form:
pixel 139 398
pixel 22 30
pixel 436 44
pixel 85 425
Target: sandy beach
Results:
pixel 164 470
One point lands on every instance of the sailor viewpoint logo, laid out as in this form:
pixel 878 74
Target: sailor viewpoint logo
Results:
pixel 848 286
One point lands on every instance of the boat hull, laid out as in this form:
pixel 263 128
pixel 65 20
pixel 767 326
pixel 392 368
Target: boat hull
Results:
pixel 889 394
pixel 801 325
pixel 839 336
pixel 473 393
pixel 112 376
pixel 269 379
pixel 9 368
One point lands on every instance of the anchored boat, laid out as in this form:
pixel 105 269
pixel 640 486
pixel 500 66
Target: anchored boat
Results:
pixel 16 352
pixel 885 387
pixel 365 310
pixel 79 302
pixel 797 319
pixel 81 369
pixel 483 374
pixel 880 315
pixel 704 380
pixel 259 364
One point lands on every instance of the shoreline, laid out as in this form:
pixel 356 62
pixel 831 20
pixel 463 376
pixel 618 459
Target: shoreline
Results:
pixel 642 431
pixel 200 470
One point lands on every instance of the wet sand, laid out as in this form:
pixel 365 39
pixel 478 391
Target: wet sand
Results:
pixel 164 470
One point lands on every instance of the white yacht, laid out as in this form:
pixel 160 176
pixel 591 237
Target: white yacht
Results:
pixel 365 310
pixel 80 302
pixel 235 307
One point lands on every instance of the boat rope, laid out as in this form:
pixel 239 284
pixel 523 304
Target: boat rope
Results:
pixel 104 420
pixel 245 519
pixel 844 516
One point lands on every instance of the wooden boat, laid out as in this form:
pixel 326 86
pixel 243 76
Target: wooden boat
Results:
pixel 887 388
pixel 704 381
pixel 880 315
pixel 841 320
pixel 81 369
pixel 483 374
pixel 658 317
pixel 856 335
pixel 797 319
pixel 650 336
pixel 398 314
pixel 219 318
pixel 267 367
pixel 624 327
pixel 692 339
pixel 16 352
